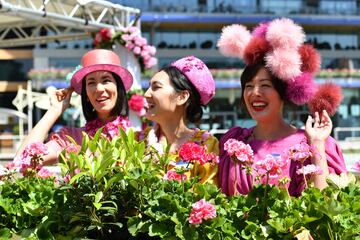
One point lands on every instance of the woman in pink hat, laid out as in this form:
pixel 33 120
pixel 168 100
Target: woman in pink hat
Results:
pixel 175 97
pixel 279 71
pixel 102 83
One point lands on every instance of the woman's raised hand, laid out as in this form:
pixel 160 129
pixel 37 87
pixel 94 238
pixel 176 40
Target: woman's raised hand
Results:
pixel 60 100
pixel 319 128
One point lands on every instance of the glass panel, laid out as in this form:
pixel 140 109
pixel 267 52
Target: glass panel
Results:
pixel 64 62
pixel 15 70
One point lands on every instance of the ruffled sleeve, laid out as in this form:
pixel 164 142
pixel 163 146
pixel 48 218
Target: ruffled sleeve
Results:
pixel 335 161
pixel 58 141
pixel 334 157
pixel 226 172
pixel 208 171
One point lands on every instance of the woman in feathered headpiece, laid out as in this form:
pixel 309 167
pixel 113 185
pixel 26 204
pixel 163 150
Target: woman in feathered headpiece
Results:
pixel 279 70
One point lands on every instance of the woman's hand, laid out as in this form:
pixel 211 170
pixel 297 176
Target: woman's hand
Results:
pixel 60 100
pixel 319 130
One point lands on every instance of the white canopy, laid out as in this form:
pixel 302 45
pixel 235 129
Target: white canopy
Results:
pixel 22 22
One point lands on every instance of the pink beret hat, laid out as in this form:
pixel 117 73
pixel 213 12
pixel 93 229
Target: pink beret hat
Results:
pixel 100 60
pixel 199 75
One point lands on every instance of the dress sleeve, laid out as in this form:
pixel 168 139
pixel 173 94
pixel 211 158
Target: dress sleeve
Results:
pixel 208 171
pixel 58 141
pixel 334 157
pixel 335 161
pixel 226 172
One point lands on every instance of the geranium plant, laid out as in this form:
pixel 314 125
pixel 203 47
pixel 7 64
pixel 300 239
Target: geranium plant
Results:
pixel 111 189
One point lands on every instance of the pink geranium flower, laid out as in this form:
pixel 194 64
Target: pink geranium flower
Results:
pixel 31 158
pixel 201 210
pixel 35 149
pixel 191 151
pixel 239 150
pixel 213 158
pixel 173 175
pixel 136 102
pixel 309 169
pixel 356 167
pixel 300 152
pixel 45 173
pixel 271 165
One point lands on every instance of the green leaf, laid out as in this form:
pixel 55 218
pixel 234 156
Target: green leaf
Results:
pixel 5 233
pixel 76 177
pixel 158 229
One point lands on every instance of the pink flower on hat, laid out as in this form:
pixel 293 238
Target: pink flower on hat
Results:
pixel 199 75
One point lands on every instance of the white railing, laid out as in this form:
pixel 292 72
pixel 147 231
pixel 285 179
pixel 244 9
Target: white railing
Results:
pixel 354 133
pixel 66 20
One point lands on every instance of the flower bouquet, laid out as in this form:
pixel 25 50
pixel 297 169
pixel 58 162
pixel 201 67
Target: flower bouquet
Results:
pixel 131 39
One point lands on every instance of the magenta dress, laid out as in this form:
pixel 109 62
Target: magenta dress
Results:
pixel 59 141
pixel 261 148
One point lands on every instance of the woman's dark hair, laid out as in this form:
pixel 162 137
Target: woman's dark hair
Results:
pixel 180 83
pixel 121 106
pixel 250 72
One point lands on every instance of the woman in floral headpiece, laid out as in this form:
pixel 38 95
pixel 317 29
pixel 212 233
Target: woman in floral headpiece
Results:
pixel 102 83
pixel 175 97
pixel 279 71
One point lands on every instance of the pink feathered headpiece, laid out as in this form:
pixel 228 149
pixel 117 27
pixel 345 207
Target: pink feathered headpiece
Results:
pixel 280 45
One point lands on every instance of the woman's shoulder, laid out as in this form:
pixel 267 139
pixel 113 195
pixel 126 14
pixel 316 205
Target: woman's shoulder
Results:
pixel 238 133
pixel 204 137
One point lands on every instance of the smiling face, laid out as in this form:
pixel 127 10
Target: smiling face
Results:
pixel 262 100
pixel 101 90
pixel 161 97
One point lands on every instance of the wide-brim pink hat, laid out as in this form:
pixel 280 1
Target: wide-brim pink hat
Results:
pixel 199 75
pixel 100 60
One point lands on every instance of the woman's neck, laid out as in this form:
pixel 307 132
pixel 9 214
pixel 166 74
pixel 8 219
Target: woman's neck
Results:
pixel 175 132
pixel 106 119
pixel 272 130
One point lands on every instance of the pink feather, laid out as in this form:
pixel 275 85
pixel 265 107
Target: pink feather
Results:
pixel 256 50
pixel 284 33
pixel 301 89
pixel 310 58
pixel 233 40
pixel 260 30
pixel 284 64
pixel 328 97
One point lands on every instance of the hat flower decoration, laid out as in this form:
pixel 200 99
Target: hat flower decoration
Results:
pixel 131 39
pixel 279 44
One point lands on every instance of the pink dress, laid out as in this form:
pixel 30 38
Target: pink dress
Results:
pixel 261 148
pixel 59 141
